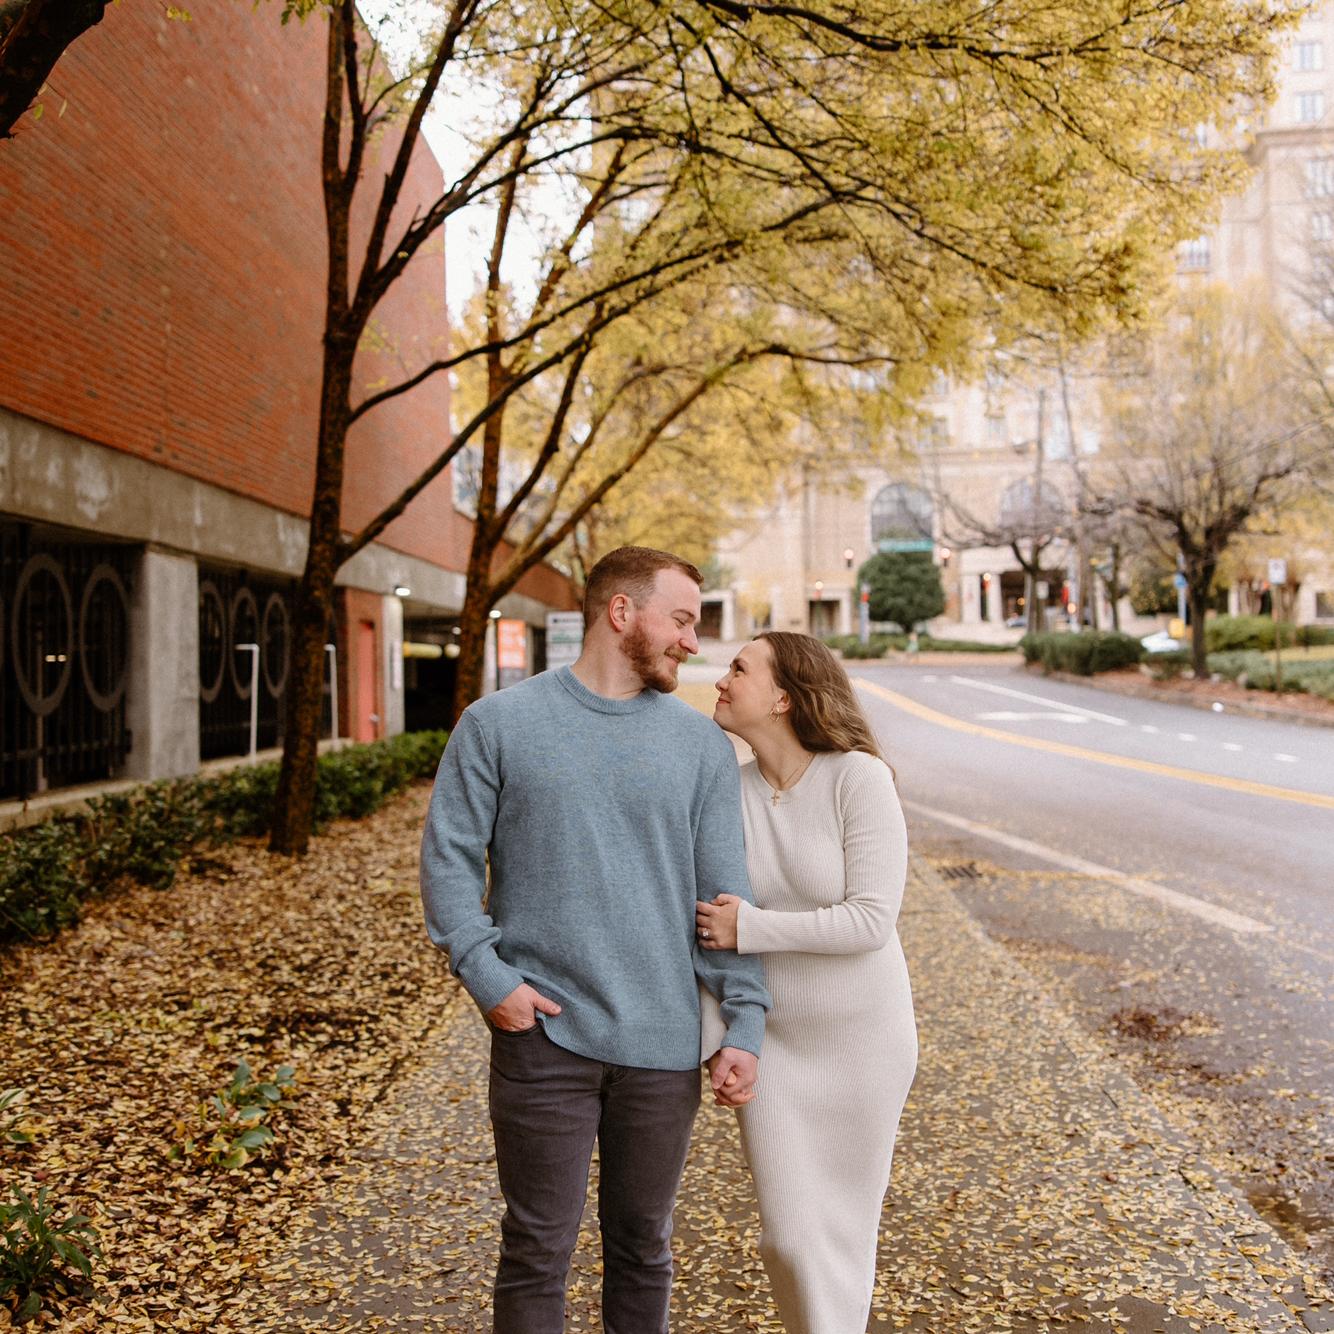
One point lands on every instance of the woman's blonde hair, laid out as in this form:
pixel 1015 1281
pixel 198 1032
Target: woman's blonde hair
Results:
pixel 824 709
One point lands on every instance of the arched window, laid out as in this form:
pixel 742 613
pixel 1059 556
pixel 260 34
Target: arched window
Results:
pixel 902 518
pixel 1023 509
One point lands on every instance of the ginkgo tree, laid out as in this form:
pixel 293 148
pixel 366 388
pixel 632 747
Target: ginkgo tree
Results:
pixel 874 187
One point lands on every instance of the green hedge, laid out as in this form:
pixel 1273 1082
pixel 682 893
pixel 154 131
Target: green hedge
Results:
pixel 47 870
pixel 1255 670
pixel 1226 634
pixel 1082 654
pixel 850 646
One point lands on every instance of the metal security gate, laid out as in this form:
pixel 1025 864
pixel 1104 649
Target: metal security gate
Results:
pixel 237 608
pixel 64 659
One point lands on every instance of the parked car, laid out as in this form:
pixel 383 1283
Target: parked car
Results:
pixel 1160 642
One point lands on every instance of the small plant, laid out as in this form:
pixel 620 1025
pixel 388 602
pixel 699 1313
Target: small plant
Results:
pixel 37 1254
pixel 232 1129
pixel 15 1127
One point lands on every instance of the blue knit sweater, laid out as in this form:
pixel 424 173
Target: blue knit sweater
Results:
pixel 605 820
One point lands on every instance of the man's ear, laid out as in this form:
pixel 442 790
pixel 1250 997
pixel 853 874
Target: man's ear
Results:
pixel 618 610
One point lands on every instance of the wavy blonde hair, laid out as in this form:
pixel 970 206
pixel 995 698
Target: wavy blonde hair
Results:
pixel 824 710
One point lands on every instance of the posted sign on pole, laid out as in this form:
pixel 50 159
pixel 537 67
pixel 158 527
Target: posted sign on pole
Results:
pixel 511 651
pixel 1278 571
pixel 565 637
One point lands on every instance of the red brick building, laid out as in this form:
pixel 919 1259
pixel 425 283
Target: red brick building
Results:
pixel 161 310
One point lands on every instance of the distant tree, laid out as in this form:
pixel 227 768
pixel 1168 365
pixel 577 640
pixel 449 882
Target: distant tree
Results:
pixel 1212 424
pixel 905 588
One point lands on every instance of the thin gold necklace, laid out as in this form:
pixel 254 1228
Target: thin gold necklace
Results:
pixel 796 773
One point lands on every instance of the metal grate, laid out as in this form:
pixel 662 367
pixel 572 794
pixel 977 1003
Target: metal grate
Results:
pixel 960 871
pixel 236 607
pixel 64 659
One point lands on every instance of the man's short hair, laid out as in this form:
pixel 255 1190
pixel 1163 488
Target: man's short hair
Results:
pixel 632 571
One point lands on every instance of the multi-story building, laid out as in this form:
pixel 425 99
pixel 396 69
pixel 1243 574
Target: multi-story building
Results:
pixel 161 313
pixel 985 456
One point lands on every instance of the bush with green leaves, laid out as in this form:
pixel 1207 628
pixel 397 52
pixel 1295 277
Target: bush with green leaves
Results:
pixel 15 1126
pixel 1168 666
pixel 47 870
pixel 1257 671
pixel 231 1124
pixel 42 1258
pixel 1228 634
pixel 1082 654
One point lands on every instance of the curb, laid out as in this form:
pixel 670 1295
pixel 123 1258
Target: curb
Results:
pixel 1135 690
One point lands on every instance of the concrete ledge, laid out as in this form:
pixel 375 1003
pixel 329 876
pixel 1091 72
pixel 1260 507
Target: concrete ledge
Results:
pixel 67 800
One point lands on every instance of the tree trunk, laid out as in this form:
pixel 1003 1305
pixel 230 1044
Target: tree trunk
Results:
pixel 33 36
pixel 1115 589
pixel 294 803
pixel 473 622
pixel 1199 603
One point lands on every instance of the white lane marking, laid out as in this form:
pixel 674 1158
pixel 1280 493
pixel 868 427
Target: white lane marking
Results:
pixel 1150 728
pixel 1006 716
pixel 1232 745
pixel 1188 903
pixel 1186 736
pixel 1287 759
pixel 930 676
pixel 1037 699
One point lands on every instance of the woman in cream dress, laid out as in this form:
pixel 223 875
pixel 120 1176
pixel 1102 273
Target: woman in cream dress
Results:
pixel 826 849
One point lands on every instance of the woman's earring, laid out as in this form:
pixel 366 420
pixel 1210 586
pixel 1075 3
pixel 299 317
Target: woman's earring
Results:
pixel 774 712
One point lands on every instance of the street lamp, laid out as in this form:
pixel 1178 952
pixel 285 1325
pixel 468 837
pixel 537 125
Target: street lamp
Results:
pixel 848 556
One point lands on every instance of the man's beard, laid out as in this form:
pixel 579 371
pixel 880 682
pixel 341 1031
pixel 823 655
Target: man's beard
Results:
pixel 647 662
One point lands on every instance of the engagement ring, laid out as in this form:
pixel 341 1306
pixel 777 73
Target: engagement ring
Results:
pixel 704 935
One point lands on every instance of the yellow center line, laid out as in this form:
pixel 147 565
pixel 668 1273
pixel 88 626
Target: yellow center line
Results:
pixel 1097 756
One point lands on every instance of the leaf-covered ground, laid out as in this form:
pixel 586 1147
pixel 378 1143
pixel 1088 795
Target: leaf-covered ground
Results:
pixel 1034 1187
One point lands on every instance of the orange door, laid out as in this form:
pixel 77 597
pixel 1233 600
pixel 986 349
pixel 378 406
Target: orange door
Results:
pixel 366 719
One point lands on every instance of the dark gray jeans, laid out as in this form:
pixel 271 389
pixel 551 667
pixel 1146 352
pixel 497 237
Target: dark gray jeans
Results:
pixel 547 1108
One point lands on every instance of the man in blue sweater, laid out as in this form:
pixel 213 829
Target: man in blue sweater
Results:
pixel 607 808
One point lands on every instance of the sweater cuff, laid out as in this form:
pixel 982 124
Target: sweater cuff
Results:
pixel 746 1031
pixel 489 979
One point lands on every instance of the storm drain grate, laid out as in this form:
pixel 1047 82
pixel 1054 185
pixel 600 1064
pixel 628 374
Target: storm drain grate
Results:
pixel 960 871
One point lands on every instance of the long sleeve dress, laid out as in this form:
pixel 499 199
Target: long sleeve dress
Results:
pixel 827 862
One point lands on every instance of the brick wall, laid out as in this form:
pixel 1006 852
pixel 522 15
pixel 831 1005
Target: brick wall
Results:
pixel 163 272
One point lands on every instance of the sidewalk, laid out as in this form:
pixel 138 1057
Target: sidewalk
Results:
pixel 1034 1189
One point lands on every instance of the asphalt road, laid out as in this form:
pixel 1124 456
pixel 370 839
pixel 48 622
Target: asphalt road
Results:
pixel 1169 872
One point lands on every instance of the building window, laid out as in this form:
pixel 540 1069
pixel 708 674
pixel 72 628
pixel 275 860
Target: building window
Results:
pixel 1319 177
pixel 1324 605
pixel 1310 108
pixel 935 433
pixel 902 519
pixel 1194 255
pixel 1322 227
pixel 996 434
pixel 1025 510
pixel 1308 56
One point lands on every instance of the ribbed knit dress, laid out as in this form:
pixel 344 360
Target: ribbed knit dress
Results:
pixel 827 863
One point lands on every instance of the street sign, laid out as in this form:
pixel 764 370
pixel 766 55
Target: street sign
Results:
pixel 905 544
pixel 511 645
pixel 1278 571
pixel 1178 580
pixel 565 637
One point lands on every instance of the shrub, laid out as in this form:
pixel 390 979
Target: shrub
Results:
pixel 851 646
pixel 1168 666
pixel 1315 636
pixel 1082 654
pixel 47 870
pixel 928 642
pixel 231 1129
pixel 1225 634
pixel 37 1253
pixel 905 587
pixel 1255 671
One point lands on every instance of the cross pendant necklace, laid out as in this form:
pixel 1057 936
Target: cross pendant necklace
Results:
pixel 790 779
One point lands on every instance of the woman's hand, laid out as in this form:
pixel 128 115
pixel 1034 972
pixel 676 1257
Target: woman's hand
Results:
pixel 715 923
